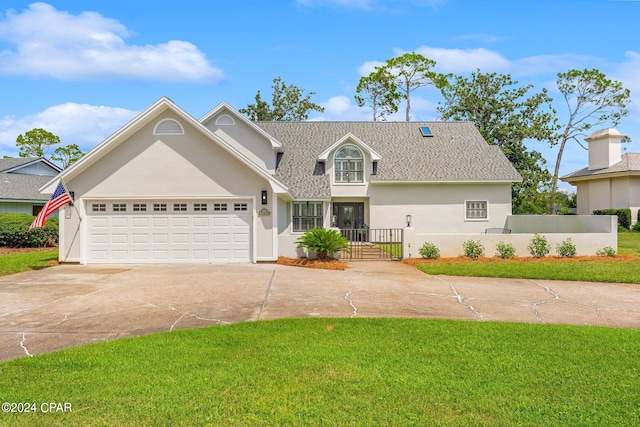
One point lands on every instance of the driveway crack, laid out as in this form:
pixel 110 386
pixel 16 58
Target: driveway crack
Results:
pixel 265 301
pixel 460 298
pixel 347 296
pixel 23 346
pixel 195 316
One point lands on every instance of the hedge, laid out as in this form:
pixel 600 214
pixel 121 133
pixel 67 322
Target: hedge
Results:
pixel 624 216
pixel 15 233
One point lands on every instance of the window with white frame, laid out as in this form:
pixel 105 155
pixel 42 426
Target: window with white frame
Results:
pixel 307 215
pixel 239 206
pixel 476 209
pixel 179 207
pixel 119 207
pixel 349 165
pixel 200 207
pixel 99 207
pixel 219 207
pixel 159 207
pixel 139 207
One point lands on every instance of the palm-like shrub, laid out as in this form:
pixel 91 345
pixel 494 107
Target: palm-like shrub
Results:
pixel 325 243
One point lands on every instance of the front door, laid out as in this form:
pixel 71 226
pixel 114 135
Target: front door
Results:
pixel 349 215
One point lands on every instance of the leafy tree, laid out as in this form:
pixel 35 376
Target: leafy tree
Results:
pixel 592 100
pixel 506 115
pixel 67 155
pixel 36 142
pixel 380 92
pixel 413 71
pixel 288 103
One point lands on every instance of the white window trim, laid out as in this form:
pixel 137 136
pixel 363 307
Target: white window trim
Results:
pixel 324 214
pixel 364 167
pixel 486 202
pixel 155 129
pixel 225 120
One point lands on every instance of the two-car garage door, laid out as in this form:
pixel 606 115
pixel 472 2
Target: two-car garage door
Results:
pixel 169 231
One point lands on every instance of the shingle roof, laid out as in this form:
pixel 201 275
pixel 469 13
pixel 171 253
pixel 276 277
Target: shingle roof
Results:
pixel 630 162
pixel 456 152
pixel 16 186
pixel 10 163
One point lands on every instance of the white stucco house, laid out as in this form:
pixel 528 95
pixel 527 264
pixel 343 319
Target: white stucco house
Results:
pixel 611 180
pixel 169 188
pixel 20 182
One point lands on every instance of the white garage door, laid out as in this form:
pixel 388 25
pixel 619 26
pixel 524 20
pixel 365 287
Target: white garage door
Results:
pixel 168 231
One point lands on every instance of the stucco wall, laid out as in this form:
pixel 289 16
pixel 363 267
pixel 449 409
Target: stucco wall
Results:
pixel 596 233
pixel 438 208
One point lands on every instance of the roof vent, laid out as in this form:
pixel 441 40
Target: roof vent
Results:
pixel 425 131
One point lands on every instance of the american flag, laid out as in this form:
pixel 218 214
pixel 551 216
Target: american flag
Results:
pixel 59 198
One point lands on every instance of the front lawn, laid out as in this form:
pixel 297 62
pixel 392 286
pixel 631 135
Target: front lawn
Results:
pixel 17 262
pixel 339 372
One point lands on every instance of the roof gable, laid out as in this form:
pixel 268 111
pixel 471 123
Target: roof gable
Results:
pixel 29 166
pixel 137 123
pixel 349 137
pixel 223 107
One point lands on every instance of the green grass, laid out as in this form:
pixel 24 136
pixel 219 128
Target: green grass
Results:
pixel 605 270
pixel 629 244
pixel 16 263
pixel 340 372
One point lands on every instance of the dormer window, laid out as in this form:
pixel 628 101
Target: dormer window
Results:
pixel 349 164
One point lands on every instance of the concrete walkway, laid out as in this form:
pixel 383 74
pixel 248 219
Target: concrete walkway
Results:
pixel 69 305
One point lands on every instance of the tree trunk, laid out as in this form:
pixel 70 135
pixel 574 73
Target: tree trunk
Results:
pixel 554 186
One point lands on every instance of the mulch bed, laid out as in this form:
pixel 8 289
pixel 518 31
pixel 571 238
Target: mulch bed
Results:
pixel 328 264
pixel 6 251
pixel 413 261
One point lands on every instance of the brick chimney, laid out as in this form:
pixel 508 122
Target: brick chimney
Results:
pixel 605 148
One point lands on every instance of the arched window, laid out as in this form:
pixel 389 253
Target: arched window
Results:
pixel 168 127
pixel 225 120
pixel 349 164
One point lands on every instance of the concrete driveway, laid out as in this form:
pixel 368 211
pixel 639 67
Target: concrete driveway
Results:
pixel 68 305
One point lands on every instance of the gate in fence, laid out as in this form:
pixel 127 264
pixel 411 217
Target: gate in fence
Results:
pixel 373 244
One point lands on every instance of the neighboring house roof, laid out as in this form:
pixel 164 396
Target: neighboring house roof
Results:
pixel 628 165
pixel 19 183
pixel 16 186
pixel 455 153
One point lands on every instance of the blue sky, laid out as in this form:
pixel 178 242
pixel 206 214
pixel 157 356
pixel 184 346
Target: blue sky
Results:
pixel 83 69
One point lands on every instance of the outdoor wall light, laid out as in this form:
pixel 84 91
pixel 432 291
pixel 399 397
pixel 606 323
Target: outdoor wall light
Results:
pixel 264 197
pixel 408 220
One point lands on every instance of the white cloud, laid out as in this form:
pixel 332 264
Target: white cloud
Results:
pixel 49 42
pixel 465 60
pixel 81 124
pixel 368 67
pixel 341 108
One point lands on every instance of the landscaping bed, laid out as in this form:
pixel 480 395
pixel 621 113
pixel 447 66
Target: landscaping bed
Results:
pixel 327 264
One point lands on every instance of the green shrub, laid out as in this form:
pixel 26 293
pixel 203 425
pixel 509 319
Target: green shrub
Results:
pixel 621 229
pixel 566 249
pixel 606 251
pixel 429 250
pixel 325 243
pixel 539 247
pixel 473 249
pixel 15 233
pixel 505 250
pixel 624 216
pixel 636 226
